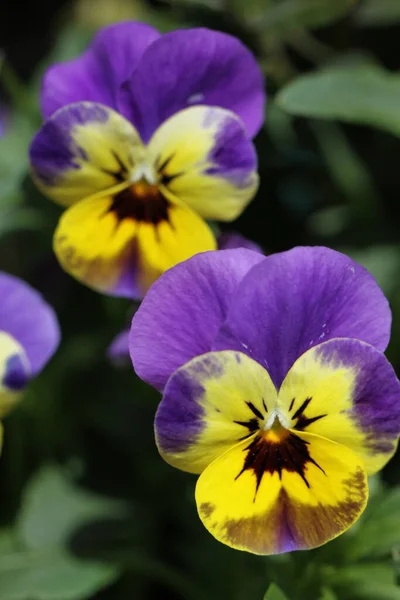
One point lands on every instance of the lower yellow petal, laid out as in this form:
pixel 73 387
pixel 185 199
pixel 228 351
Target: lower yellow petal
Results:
pixel 121 243
pixel 267 498
pixel 93 244
pixel 171 241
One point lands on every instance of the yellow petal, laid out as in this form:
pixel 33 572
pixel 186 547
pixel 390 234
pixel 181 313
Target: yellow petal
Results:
pixel 94 245
pixel 120 244
pixel 269 498
pixel 204 158
pixel 209 405
pixel 14 372
pixel 170 241
pixel 83 149
pixel 347 391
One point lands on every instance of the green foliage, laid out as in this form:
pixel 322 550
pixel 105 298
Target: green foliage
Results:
pixel 365 94
pixel 274 593
pixel 35 563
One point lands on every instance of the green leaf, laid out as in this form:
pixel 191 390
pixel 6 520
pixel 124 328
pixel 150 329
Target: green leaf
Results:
pixel 14 155
pixel 377 13
pixel 292 14
pixel 327 594
pixel 379 534
pixel 365 94
pixel 368 591
pixel 35 563
pixel 274 593
pixel 50 575
pixel 53 508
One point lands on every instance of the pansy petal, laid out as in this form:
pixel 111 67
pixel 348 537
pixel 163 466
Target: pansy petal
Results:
pixel 255 498
pixel 209 405
pixel 29 320
pixel 295 300
pixel 118 350
pixel 15 372
pixel 233 239
pixel 194 66
pixel 99 72
pixel 83 149
pixel 170 241
pixel 122 256
pixel 95 246
pixel 347 391
pixel 182 312
pixel 207 161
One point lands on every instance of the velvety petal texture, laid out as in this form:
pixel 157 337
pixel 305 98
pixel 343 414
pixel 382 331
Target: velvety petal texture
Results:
pixel 193 66
pixel 182 312
pixel 98 74
pixel 285 510
pixel 29 335
pixel 209 405
pixel 297 299
pixel 98 247
pixel 208 161
pixel 82 150
pixel 26 317
pixel 347 391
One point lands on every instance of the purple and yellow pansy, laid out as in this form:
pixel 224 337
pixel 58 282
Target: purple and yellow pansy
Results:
pixel 275 388
pixel 147 137
pixel 29 336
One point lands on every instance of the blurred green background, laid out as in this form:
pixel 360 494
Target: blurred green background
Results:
pixel 87 507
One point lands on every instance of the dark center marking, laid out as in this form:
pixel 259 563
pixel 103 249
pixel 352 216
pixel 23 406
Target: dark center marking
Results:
pixel 255 410
pixel 253 424
pixel 141 202
pixel 121 174
pixel 166 178
pixel 302 420
pixel 290 454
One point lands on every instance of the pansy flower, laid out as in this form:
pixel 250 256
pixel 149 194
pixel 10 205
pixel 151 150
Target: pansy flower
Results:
pixel 147 138
pixel 29 335
pixel 275 390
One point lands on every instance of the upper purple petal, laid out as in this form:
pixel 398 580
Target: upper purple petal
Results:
pixel 183 310
pixel 99 72
pixel 298 299
pixel 26 316
pixel 193 66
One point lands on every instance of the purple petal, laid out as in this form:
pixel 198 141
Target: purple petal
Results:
pixel 232 239
pixel 118 350
pixel 298 299
pixel 194 66
pixel 183 310
pixel 29 319
pixel 99 72
pixel 375 401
